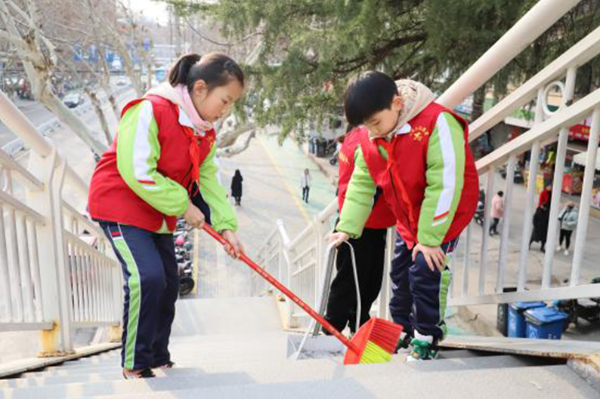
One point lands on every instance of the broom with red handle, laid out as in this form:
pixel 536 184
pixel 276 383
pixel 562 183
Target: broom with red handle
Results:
pixel 373 343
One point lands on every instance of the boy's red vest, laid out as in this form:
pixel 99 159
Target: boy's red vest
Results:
pixel 111 199
pixel 403 176
pixel 381 216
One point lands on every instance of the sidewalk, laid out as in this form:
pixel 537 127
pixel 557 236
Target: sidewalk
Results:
pixel 561 271
pixel 271 191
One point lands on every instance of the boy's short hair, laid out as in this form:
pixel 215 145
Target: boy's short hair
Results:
pixel 367 94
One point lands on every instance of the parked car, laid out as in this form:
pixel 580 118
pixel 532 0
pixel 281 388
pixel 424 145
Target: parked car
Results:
pixel 72 100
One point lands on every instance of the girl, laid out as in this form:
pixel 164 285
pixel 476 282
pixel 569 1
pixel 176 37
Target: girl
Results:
pixel 163 154
pixel 236 187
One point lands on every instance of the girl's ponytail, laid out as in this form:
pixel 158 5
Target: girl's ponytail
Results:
pixel 215 69
pixel 179 74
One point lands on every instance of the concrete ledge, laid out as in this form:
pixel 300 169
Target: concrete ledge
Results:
pixel 24 365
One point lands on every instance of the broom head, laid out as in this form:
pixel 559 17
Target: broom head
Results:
pixel 376 341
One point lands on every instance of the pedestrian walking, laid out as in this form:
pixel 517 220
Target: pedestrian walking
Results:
pixel 541 218
pixel 162 155
pixel 568 222
pixel 305 183
pixel 236 187
pixel 497 212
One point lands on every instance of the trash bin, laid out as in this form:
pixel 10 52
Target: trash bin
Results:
pixel 545 323
pixel 516 320
pixel 502 314
pixel 321 147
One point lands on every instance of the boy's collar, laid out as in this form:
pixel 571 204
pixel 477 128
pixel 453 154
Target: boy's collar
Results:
pixel 403 130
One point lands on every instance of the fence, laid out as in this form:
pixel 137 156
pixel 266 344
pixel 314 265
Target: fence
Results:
pixel 57 272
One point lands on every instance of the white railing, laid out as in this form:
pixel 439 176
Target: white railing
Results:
pixel 548 128
pixel 300 263
pixel 476 279
pixel 57 271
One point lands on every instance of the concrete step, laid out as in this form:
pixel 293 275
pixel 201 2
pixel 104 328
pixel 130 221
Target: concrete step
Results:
pixel 536 383
pixel 208 316
pixel 222 366
pixel 270 345
pixel 187 377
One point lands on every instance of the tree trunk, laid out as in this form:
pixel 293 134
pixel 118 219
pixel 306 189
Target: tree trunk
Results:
pixel 113 104
pixel 98 109
pixel 478 102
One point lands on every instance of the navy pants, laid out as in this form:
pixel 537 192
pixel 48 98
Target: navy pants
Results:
pixel 151 288
pixel 418 294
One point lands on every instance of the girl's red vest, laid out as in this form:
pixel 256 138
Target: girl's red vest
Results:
pixel 381 216
pixel 403 176
pixel 112 200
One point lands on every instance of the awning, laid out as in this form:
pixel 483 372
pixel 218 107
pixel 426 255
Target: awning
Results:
pixel 580 159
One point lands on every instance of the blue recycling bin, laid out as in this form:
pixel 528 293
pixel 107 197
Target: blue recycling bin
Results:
pixel 516 320
pixel 545 323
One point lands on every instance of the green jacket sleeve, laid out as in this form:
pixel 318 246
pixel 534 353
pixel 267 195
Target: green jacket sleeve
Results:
pixel 359 199
pixel 138 151
pixel 445 180
pixel 221 213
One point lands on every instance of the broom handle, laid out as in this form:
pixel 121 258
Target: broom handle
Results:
pixel 285 290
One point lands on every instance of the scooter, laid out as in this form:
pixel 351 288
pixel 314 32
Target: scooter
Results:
pixel 587 309
pixel 479 213
pixel 186 280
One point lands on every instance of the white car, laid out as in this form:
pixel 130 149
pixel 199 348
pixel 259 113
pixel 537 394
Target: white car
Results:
pixel 72 100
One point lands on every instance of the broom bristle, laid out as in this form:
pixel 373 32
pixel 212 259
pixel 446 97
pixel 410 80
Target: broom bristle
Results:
pixel 374 354
pixel 376 341
pixel 385 334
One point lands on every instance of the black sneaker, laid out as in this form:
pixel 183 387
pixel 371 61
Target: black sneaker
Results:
pixel 404 343
pixel 145 373
pixel 168 365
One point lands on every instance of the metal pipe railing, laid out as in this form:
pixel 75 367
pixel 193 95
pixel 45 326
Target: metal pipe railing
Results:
pixel 537 20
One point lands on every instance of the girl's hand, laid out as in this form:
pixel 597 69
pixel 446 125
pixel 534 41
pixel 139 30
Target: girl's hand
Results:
pixel 337 238
pixel 235 247
pixel 434 256
pixel 194 216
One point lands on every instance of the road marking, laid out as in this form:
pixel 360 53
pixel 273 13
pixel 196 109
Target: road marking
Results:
pixel 289 188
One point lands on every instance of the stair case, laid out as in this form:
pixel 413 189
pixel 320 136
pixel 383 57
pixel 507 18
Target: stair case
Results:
pixel 242 354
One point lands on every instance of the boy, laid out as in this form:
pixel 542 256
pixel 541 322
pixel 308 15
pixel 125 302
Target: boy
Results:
pixel 418 153
pixel 369 249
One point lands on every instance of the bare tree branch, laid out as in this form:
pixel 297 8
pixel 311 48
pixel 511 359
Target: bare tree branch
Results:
pixel 240 146
pixel 228 138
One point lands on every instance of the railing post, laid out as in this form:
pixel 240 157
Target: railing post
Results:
pixel 559 169
pixel 486 228
pixel 586 195
pixel 534 166
pixel 319 254
pixel 467 262
pixel 510 182
pixel 55 291
pixel 384 295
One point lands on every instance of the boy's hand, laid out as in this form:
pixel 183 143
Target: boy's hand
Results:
pixel 434 256
pixel 194 216
pixel 337 238
pixel 235 247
